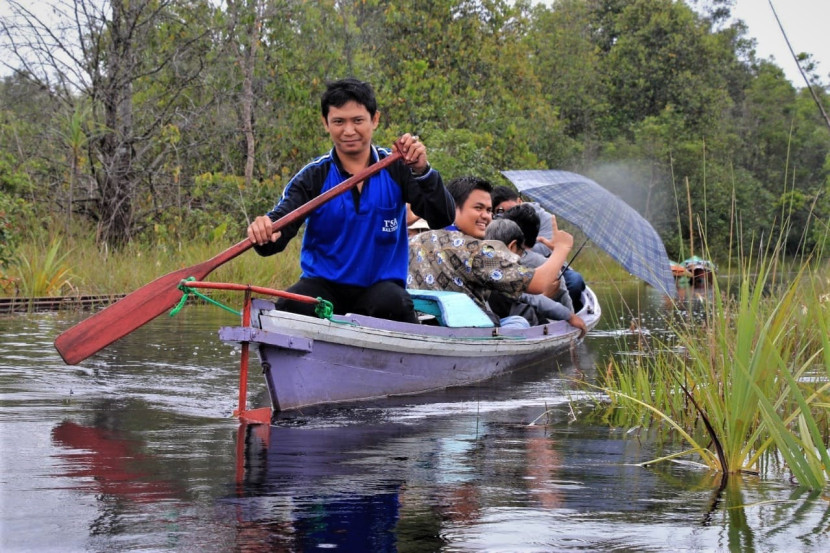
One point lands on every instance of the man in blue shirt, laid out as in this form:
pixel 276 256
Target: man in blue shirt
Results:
pixel 355 250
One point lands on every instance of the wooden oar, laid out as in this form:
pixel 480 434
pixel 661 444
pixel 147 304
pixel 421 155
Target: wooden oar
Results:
pixel 151 300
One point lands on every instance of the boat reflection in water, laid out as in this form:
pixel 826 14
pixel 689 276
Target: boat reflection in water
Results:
pixel 307 488
pixel 110 463
pixel 385 485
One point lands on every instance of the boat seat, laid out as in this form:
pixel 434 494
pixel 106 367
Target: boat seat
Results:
pixel 452 309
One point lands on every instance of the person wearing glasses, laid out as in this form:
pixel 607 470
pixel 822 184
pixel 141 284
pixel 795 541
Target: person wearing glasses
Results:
pixel 505 197
pixel 518 228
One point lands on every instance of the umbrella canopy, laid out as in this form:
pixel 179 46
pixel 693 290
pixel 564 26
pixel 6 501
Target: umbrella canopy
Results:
pixel 605 219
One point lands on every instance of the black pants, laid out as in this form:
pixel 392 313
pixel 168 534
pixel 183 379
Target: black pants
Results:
pixel 386 299
pixel 503 307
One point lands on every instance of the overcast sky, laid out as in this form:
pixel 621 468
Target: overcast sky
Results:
pixel 806 24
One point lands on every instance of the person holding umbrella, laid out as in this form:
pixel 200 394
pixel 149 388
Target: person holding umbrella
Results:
pixel 557 308
pixel 505 198
pixel 355 248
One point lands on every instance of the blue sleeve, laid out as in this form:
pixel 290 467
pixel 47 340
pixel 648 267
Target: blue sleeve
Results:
pixel 426 194
pixel 305 186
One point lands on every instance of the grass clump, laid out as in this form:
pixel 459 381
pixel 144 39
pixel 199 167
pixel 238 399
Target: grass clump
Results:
pixel 41 270
pixel 87 269
pixel 752 378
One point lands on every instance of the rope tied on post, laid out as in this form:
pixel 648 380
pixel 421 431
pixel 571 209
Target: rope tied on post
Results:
pixel 190 290
pixel 324 309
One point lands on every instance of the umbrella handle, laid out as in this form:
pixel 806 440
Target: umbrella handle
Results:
pixel 573 257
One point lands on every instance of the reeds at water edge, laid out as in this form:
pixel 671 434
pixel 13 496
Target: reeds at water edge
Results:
pixel 748 379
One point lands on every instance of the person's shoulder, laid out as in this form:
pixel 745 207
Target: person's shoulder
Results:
pixel 532 258
pixel 493 248
pixel 382 151
pixel 434 235
pixel 445 239
pixel 320 163
pixel 539 209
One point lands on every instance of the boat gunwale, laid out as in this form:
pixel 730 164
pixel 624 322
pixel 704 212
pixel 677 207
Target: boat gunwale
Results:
pixel 548 335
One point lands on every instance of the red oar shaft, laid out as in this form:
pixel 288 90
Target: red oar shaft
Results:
pixel 249 287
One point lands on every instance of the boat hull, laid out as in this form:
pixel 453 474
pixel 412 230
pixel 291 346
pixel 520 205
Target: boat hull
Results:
pixel 308 361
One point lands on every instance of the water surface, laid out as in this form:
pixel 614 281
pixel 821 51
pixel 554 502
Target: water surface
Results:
pixel 135 450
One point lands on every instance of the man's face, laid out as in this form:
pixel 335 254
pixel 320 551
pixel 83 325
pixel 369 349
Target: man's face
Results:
pixel 473 217
pixel 505 205
pixel 350 127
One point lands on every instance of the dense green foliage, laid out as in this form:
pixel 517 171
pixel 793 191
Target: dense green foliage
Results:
pixel 183 119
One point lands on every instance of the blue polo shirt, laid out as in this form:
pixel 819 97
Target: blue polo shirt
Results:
pixel 359 238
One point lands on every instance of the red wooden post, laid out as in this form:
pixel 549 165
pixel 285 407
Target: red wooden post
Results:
pixel 243 360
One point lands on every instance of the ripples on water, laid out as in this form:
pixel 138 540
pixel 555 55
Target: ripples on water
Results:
pixel 135 450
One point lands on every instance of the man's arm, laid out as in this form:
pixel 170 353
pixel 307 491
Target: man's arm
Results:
pixel 547 308
pixel 546 278
pixel 422 186
pixel 431 200
pixel 298 192
pixel 545 230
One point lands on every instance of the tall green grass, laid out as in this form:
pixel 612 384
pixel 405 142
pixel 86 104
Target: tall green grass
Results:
pixel 83 268
pixel 94 269
pixel 751 379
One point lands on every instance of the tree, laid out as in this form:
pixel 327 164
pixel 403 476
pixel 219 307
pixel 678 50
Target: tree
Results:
pixel 566 58
pixel 663 55
pixel 109 54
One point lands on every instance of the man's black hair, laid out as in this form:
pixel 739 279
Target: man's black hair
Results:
pixel 528 220
pixel 501 194
pixel 461 187
pixel 339 93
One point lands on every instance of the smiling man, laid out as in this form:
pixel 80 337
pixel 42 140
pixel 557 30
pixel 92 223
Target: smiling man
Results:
pixel 355 249
pixel 459 259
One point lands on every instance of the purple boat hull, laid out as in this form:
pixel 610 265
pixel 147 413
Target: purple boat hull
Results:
pixel 309 361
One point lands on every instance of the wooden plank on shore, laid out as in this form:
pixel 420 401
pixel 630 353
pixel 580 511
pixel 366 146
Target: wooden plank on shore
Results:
pixel 56 303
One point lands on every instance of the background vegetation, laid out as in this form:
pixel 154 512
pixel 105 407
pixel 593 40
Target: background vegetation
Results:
pixel 154 125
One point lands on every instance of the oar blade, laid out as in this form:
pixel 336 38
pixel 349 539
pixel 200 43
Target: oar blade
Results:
pixel 119 319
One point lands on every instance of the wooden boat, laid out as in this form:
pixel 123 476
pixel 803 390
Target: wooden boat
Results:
pixel 702 270
pixel 308 361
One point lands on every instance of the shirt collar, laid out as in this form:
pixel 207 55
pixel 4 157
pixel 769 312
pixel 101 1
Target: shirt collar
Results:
pixel 373 152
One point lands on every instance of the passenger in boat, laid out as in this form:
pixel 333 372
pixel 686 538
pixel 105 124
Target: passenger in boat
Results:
pixel 414 224
pixel 417 227
pixel 505 198
pixel 459 259
pixel 355 248
pixel 557 308
pixel 527 219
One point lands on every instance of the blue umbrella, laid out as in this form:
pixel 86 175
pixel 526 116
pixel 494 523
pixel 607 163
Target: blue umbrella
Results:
pixel 605 219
